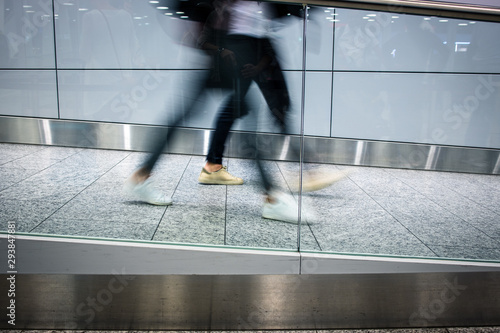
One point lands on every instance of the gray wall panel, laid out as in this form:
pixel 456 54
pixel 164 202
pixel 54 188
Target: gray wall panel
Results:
pixel 28 93
pixel 442 109
pixel 384 41
pixel 131 75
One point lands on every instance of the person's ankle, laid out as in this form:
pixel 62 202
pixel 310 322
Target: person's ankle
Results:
pixel 270 199
pixel 140 176
pixel 212 167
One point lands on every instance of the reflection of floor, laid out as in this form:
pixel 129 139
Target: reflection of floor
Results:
pixel 72 191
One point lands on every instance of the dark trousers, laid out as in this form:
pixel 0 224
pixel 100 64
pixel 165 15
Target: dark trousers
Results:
pixel 161 143
pixel 272 86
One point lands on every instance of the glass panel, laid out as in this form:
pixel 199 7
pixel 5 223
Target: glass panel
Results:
pixel 392 81
pixel 369 76
pixel 26 34
pixel 135 62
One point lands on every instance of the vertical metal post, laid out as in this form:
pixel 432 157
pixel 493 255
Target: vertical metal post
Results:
pixel 302 108
pixel 55 58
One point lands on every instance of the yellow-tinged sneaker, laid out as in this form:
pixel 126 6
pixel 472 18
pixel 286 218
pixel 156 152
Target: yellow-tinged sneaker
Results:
pixel 219 177
pixel 319 180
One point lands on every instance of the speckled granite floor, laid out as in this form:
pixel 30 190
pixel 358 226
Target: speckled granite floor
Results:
pixel 73 191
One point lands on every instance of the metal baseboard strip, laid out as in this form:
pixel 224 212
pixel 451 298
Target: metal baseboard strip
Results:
pixel 86 284
pixel 98 135
pixel 249 302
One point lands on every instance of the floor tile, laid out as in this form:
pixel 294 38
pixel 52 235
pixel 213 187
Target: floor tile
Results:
pixel 94 159
pixel 187 223
pixel 105 203
pixel 349 230
pixel 434 225
pixel 96 228
pixel 372 210
pixel 245 225
pixel 26 213
pixel 51 184
pixel 11 152
pixel 198 213
pixel 10 175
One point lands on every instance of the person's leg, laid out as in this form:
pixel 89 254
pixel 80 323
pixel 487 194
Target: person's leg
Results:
pixel 158 146
pixel 235 107
pixel 275 93
pixel 314 179
pixel 217 145
pixel 138 184
pixel 214 173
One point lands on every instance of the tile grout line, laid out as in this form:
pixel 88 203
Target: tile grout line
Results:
pixel 173 193
pixel 28 154
pixel 80 192
pixel 460 194
pixel 450 211
pixel 38 171
pixel 308 224
pixel 396 219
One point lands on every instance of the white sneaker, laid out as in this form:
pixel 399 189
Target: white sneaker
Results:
pixel 146 192
pixel 283 208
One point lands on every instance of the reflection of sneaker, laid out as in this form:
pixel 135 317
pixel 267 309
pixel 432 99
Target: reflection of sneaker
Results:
pixel 219 177
pixel 146 192
pixel 283 208
pixel 317 181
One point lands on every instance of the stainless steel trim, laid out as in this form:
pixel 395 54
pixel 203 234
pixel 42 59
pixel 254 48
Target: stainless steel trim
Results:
pixel 59 255
pixel 250 302
pixel 71 133
pixel 326 263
